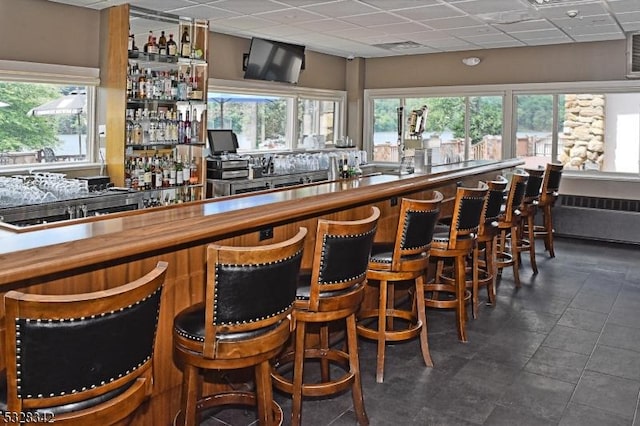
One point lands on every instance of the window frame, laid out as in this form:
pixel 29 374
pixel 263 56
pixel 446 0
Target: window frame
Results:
pixel 30 72
pixel 509 92
pixel 293 95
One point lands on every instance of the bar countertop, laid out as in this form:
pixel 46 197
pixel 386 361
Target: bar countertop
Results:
pixel 83 243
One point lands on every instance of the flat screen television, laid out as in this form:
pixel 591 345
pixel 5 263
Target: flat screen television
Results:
pixel 274 61
pixel 222 141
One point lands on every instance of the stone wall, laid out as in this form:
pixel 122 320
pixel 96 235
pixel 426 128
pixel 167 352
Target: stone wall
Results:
pixel 582 137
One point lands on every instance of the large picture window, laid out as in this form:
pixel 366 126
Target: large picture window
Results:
pixel 457 128
pixel 46 115
pixel 42 123
pixel 267 119
pixel 584 126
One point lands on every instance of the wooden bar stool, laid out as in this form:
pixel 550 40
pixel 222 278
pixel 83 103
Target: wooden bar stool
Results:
pixel 81 359
pixel 456 242
pixel 486 244
pixel 482 271
pixel 333 292
pixel 528 208
pixel 508 224
pixel 548 197
pixel 406 259
pixel 243 322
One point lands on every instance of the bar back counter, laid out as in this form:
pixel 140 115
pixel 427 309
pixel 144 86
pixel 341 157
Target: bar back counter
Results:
pixel 97 253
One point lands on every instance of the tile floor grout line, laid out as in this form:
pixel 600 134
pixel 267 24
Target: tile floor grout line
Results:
pixel 594 348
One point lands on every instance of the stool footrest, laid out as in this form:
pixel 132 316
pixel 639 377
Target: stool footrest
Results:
pixel 335 357
pixel 233 398
pixel 393 335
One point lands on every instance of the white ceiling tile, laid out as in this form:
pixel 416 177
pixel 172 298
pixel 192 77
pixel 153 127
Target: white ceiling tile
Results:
pixel 290 16
pixel 623 6
pixel 490 38
pixel 162 5
pixel 538 24
pixel 429 12
pixel 457 22
pixel 599 37
pixel 473 31
pixel 628 17
pixel 341 8
pixel 594 29
pixel 399 4
pixel 345 27
pixel 499 45
pixel 374 19
pixel 244 23
pixel 327 25
pixel 537 35
pixel 489 6
pixel 400 28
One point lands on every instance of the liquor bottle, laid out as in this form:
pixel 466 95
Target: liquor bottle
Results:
pixel 185 44
pixel 147 174
pixel 187 128
pixel 172 47
pixel 179 174
pixel 193 175
pixel 158 173
pixel 129 129
pixel 172 172
pixel 137 133
pixel 154 46
pixel 186 173
pixel 132 42
pixel 148 43
pixel 142 87
pixel 162 44
pixel 180 128
pixel 195 127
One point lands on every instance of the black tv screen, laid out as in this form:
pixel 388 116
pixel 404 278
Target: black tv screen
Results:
pixel 222 141
pixel 274 61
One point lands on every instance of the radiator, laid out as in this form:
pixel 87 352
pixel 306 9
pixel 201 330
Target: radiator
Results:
pixel 606 219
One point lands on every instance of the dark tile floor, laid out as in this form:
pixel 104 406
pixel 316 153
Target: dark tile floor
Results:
pixel 564 349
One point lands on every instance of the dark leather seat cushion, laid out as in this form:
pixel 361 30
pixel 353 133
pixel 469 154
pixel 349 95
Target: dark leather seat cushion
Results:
pixel 383 253
pixel 67 408
pixel 190 324
pixel 303 291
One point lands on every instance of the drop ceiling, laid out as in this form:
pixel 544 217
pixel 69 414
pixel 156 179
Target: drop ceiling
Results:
pixel 378 28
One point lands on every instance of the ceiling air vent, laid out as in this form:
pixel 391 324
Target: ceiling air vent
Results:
pixel 399 46
pixel 633 55
pixel 542 3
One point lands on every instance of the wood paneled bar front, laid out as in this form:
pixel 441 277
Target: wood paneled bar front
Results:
pixel 103 252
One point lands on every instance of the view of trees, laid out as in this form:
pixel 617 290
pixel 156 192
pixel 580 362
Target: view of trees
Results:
pixel 22 132
pixel 447 114
pixel 265 116
pixel 18 131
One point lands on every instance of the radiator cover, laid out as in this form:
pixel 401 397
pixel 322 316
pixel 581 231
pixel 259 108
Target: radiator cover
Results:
pixel 606 219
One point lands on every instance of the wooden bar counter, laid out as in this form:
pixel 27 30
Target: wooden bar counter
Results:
pixel 102 252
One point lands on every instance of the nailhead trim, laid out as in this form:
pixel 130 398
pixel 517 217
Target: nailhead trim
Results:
pixel 404 232
pixel 458 218
pixel 50 321
pixel 322 256
pixel 253 265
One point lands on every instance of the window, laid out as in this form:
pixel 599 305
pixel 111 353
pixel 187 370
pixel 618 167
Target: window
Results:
pixel 448 134
pixel 587 126
pixel 317 122
pixel 534 129
pixel 265 119
pixel 260 122
pixel 45 117
pixel 594 131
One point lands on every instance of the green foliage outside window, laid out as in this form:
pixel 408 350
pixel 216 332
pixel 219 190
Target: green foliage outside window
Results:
pixel 18 131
